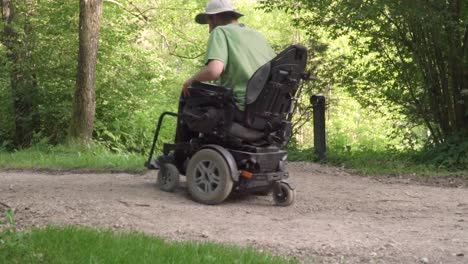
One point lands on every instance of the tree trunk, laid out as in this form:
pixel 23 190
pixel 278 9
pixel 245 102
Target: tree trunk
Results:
pixel 439 52
pixel 23 79
pixel 457 70
pixel 84 106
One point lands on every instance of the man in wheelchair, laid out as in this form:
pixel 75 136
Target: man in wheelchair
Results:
pixel 230 137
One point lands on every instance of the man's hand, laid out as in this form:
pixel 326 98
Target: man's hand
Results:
pixel 185 87
pixel 210 72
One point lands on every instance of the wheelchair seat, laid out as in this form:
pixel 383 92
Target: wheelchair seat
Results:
pixel 270 98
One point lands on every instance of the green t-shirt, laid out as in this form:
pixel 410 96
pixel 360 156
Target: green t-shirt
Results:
pixel 243 50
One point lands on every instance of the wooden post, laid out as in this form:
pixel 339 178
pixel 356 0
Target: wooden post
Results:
pixel 318 102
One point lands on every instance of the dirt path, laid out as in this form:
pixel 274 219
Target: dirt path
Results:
pixel 337 218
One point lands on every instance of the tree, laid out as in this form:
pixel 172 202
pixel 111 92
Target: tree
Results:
pixel 18 38
pixel 420 51
pixel 84 106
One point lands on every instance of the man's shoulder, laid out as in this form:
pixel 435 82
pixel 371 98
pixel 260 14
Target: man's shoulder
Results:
pixel 239 31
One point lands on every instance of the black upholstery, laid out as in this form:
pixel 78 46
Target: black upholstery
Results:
pixel 207 108
pixel 257 82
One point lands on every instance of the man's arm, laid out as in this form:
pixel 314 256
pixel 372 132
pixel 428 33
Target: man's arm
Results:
pixel 210 72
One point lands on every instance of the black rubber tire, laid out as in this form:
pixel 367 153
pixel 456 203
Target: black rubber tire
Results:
pixel 209 179
pixel 168 177
pixel 286 197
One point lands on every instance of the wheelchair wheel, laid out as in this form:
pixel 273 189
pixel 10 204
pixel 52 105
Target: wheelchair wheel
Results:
pixel 209 178
pixel 283 194
pixel 168 177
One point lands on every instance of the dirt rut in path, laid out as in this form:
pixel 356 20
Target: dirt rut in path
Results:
pixel 337 217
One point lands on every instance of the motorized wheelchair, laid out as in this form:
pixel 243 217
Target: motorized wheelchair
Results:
pixel 221 151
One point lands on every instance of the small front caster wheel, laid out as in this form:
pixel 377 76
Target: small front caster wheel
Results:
pixel 283 194
pixel 168 177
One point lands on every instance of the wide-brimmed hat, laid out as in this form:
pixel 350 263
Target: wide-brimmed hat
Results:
pixel 216 7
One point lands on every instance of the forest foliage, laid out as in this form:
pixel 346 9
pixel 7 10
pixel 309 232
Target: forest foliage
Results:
pixel 394 72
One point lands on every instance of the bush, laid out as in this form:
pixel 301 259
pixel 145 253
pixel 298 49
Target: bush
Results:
pixel 451 155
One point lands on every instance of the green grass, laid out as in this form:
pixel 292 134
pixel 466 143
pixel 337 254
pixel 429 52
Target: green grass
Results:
pixel 71 157
pixel 97 158
pixel 387 163
pixel 392 164
pixel 83 245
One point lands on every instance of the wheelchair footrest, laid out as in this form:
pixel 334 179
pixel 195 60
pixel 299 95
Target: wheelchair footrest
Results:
pixel 152 165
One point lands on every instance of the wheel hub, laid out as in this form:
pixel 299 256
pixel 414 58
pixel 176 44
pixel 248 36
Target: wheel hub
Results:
pixel 207 176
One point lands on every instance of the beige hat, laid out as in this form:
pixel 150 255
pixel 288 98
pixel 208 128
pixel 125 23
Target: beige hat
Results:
pixel 216 7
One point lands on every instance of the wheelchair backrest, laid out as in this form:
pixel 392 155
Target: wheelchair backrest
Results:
pixel 271 90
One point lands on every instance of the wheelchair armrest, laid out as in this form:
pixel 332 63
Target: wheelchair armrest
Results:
pixel 202 94
pixel 209 87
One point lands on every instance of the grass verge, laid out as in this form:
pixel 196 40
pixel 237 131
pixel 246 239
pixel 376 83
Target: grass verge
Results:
pixel 392 164
pixel 83 245
pixel 97 158
pixel 374 163
pixel 71 157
